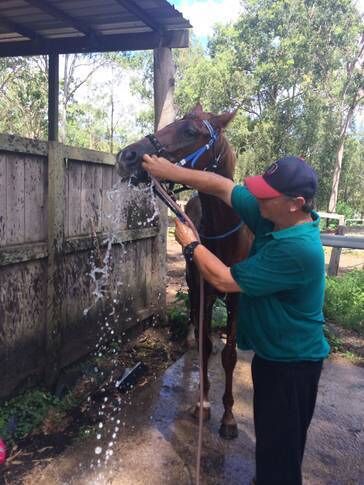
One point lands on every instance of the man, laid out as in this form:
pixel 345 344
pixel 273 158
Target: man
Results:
pixel 281 287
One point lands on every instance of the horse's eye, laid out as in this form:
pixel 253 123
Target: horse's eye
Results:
pixel 190 132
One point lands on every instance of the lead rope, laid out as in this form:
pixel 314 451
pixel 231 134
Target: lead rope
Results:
pixel 161 192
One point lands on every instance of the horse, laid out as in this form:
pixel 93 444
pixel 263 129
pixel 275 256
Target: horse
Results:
pixel 219 227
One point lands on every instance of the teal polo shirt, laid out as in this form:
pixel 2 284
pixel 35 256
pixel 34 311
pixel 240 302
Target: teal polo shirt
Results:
pixel 283 284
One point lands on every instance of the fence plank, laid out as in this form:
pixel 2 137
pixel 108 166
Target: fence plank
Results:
pixel 15 200
pixel 88 219
pixel 74 198
pixel 2 199
pixel 35 200
pixel 105 202
pixel 97 197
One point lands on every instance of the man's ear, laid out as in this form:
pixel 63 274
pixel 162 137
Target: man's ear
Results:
pixel 298 203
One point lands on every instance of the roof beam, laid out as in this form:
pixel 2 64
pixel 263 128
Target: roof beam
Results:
pixel 20 29
pixel 132 7
pixel 56 12
pixel 107 43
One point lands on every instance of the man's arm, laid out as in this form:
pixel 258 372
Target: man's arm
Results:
pixel 206 182
pixel 215 271
pixel 212 269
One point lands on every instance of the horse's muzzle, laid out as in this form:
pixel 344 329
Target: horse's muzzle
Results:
pixel 129 163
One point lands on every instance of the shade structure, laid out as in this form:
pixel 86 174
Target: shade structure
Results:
pixel 40 27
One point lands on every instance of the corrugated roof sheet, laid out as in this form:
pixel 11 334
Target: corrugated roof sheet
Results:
pixel 31 27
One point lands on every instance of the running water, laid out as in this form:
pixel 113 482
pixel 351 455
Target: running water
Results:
pixel 127 207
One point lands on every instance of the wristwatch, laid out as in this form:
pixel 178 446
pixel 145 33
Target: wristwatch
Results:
pixel 189 250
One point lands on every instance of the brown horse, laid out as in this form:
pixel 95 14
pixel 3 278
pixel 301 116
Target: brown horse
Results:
pixel 218 225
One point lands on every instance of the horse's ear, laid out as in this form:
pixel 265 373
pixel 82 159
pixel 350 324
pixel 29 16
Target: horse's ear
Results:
pixel 195 112
pixel 221 121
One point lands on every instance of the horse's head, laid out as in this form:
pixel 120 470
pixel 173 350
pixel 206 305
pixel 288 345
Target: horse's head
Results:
pixel 175 142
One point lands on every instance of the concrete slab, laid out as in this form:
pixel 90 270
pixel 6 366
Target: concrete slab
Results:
pixel 153 439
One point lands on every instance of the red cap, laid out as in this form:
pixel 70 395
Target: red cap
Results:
pixel 260 188
pixel 290 176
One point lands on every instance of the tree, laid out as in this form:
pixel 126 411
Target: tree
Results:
pixel 351 96
pixel 281 64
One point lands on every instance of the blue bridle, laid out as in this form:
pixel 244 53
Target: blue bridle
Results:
pixel 190 162
pixel 192 159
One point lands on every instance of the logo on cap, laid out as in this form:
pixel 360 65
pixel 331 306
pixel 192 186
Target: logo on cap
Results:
pixel 273 168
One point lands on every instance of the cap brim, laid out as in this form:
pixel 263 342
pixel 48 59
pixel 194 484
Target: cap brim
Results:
pixel 260 189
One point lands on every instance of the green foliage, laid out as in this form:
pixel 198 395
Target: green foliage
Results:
pixel 23 414
pixel 283 65
pixel 23 96
pixel 219 314
pixel 178 315
pixel 344 300
pixel 343 208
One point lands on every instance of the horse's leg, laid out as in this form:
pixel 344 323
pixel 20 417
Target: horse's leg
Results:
pixel 228 428
pixel 206 352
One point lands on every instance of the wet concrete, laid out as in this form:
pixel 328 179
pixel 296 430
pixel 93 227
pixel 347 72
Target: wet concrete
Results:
pixel 156 443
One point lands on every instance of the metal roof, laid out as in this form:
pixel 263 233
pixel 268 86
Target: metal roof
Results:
pixel 34 27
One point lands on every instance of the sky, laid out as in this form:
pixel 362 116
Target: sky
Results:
pixel 203 14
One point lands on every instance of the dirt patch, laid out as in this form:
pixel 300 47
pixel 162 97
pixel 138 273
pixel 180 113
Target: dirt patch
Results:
pixel 175 269
pixel 346 343
pixel 152 347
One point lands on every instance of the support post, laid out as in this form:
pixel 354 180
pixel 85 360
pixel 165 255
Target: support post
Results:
pixel 334 263
pixel 53 96
pixel 164 72
pixel 56 176
pixel 165 113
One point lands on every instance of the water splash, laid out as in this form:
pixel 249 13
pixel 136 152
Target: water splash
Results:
pixel 122 212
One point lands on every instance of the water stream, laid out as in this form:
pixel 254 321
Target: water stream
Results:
pixel 122 212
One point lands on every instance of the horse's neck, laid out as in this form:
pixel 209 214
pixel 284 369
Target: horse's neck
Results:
pixel 216 215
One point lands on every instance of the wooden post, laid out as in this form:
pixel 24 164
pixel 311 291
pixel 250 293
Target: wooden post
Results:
pixel 164 72
pixel 53 97
pixel 334 263
pixel 165 113
pixel 56 168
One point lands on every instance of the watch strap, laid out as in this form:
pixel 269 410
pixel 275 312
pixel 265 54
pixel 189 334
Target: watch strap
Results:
pixel 189 250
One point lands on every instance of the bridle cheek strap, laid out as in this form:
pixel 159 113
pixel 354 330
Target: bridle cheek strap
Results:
pixel 191 160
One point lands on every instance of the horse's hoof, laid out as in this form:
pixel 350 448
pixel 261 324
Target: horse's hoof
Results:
pixel 228 431
pixel 206 412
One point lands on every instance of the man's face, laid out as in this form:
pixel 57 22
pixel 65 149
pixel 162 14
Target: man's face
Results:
pixel 278 208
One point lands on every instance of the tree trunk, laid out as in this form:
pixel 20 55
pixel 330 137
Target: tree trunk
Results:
pixel 339 160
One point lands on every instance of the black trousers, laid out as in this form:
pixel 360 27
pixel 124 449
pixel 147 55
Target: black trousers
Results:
pixel 284 401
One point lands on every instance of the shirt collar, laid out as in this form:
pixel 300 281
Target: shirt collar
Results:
pixel 296 230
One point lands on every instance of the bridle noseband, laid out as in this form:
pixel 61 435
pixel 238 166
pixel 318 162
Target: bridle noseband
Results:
pixel 160 150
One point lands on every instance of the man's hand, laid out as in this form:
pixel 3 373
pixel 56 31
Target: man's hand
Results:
pixel 184 234
pixel 159 167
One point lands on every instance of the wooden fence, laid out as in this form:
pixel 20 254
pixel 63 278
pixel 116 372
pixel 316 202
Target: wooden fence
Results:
pixel 53 216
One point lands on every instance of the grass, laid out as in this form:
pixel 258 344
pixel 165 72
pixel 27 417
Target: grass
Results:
pixel 344 300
